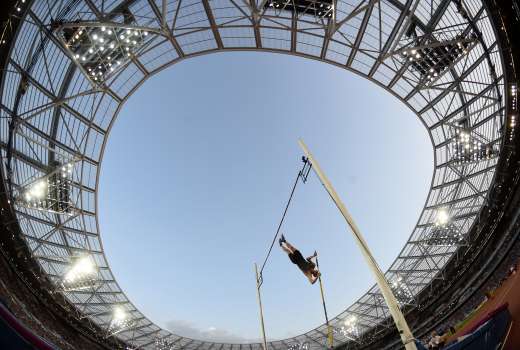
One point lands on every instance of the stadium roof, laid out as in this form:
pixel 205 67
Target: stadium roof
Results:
pixel 72 65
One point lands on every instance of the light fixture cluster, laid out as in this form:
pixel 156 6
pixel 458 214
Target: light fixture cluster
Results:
pixel 163 344
pixel 432 59
pixel 466 148
pixel 513 104
pixel 444 237
pixel 299 346
pixel 320 9
pixel 514 97
pixel 7 30
pixel 444 232
pixel 349 328
pixel 19 6
pixel 101 50
pixel 81 275
pixel 401 291
pixel 50 192
pixel 121 321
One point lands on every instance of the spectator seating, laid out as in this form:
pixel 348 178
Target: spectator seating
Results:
pixel 490 334
pixel 15 335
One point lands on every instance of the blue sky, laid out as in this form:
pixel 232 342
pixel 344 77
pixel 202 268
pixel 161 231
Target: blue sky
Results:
pixel 199 166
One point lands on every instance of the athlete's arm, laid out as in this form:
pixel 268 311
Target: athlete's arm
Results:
pixel 312 256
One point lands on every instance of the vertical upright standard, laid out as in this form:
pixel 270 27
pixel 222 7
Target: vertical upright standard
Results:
pixel 400 322
pixel 258 285
pixel 330 338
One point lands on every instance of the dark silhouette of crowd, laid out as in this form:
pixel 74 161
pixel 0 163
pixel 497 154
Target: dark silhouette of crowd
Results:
pixel 438 339
pixel 35 315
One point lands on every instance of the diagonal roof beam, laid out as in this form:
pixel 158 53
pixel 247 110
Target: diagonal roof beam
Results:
pixel 167 31
pixel 361 32
pixel 213 24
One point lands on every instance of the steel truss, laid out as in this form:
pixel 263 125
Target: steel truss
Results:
pixel 52 108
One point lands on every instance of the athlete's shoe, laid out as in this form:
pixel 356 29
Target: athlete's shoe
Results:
pixel 281 240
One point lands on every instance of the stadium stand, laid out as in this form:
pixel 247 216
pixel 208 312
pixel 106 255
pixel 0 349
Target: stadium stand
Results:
pixel 488 335
pixel 17 335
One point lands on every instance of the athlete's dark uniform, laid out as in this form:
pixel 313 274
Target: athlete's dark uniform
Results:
pixel 298 259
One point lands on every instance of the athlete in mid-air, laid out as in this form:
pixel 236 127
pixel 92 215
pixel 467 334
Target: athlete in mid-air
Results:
pixel 307 266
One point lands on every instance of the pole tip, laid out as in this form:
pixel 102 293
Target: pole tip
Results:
pixel 301 143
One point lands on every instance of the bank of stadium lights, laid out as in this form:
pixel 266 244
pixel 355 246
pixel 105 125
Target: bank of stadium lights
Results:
pixel 82 274
pixel 321 9
pixel 102 50
pixel 163 344
pixel 50 192
pixel 401 291
pixel 7 27
pixel 442 218
pixel 443 231
pixel 18 6
pixel 349 328
pixel 513 104
pixel 299 346
pixel 467 148
pixel 120 321
pixel 433 58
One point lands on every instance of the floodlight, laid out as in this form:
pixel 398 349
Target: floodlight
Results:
pixel 121 321
pixel 350 321
pixel 83 274
pixel 513 102
pixel 119 314
pixel 401 291
pixel 83 266
pixel 444 232
pixel 349 328
pixel 50 192
pixel 37 191
pixel 298 346
pixel 110 47
pixel 467 148
pixel 442 218
pixel 163 344
pixel 431 56
pixel 322 9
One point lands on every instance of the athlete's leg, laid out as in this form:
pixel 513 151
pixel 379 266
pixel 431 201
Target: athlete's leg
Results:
pixel 289 246
pixel 286 248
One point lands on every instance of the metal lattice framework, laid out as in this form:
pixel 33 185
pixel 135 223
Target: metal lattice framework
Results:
pixel 74 63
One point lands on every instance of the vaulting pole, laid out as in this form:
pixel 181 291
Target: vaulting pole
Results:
pixel 400 322
pixel 330 339
pixel 258 284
